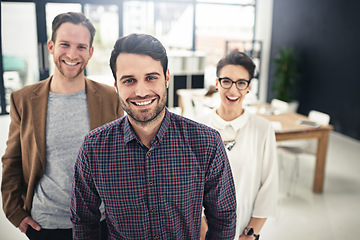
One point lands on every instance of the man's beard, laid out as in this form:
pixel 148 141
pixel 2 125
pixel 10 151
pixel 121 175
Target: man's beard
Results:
pixel 81 69
pixel 147 120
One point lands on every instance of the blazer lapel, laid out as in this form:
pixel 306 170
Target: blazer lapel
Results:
pixel 94 100
pixel 39 111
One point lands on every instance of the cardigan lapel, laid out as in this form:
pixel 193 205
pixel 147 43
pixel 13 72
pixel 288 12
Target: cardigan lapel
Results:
pixel 39 110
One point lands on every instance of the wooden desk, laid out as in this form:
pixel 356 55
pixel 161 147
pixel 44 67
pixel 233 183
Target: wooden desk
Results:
pixel 292 130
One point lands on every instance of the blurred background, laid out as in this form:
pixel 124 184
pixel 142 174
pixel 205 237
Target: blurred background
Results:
pixel 323 36
pixel 197 33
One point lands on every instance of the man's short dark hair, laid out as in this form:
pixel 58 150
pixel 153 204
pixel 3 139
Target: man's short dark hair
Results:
pixel 142 44
pixel 75 18
pixel 237 58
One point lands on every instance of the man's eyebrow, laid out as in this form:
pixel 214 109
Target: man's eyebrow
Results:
pixel 147 74
pixel 126 76
pixel 84 44
pixel 69 42
pixel 153 73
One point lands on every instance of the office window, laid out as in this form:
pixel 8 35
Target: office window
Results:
pixel 229 1
pixel 215 24
pixel 170 22
pixel 19 57
pixel 106 22
pixel 182 26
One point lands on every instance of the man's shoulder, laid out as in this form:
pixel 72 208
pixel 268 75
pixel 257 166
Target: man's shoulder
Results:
pixel 31 88
pixel 109 129
pixel 193 127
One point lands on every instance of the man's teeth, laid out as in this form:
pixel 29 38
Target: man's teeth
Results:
pixel 71 64
pixel 143 103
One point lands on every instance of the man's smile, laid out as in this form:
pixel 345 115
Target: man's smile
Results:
pixel 143 102
pixel 70 63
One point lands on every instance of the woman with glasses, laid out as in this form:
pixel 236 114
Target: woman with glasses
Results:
pixel 250 144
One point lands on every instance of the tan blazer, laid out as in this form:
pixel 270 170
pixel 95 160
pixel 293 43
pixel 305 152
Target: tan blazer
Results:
pixel 25 155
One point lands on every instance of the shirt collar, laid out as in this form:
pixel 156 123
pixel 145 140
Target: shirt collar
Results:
pixel 164 127
pixel 129 134
pixel 236 124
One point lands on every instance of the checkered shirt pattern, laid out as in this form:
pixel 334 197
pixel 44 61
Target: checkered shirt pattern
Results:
pixel 155 193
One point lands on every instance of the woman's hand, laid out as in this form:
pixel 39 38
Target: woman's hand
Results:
pixel 245 237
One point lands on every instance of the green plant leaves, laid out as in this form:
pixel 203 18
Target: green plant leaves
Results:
pixel 286 73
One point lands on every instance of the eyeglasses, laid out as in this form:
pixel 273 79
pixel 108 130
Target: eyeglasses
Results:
pixel 240 84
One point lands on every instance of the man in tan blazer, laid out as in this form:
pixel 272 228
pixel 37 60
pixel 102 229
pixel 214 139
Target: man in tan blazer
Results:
pixel 48 122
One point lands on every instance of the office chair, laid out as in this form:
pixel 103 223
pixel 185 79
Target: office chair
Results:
pixel 186 101
pixel 300 148
pixel 279 105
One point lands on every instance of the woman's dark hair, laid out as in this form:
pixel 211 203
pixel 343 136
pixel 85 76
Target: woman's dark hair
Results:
pixel 237 58
pixel 75 18
pixel 142 44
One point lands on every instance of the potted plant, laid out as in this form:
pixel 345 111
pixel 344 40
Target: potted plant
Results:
pixel 286 73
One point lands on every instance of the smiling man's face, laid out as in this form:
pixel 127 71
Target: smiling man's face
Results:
pixel 71 50
pixel 141 86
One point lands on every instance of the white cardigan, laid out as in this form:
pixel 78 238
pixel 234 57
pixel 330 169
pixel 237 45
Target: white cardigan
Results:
pixel 253 162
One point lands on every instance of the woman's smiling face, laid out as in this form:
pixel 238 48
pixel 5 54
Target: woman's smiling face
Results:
pixel 232 98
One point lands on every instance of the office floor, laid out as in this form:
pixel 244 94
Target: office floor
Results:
pixel 334 214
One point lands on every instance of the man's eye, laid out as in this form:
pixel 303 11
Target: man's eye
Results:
pixel 64 44
pixel 82 47
pixel 151 78
pixel 128 81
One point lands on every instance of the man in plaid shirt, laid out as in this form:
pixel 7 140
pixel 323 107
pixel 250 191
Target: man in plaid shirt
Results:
pixel 152 169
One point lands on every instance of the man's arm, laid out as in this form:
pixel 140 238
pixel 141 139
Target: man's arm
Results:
pixel 85 202
pixel 219 196
pixel 12 186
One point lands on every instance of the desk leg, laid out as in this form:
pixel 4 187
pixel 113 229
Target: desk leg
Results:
pixel 320 162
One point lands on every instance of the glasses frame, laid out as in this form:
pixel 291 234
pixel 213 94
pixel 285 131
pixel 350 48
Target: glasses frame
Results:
pixel 232 82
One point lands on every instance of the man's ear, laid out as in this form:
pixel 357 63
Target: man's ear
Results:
pixel 91 51
pixel 51 46
pixel 167 78
pixel 116 90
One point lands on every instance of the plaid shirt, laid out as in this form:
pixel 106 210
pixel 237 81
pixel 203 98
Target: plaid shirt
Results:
pixel 155 193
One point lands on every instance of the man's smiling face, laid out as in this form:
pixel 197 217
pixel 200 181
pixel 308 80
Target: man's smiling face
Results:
pixel 141 86
pixel 71 49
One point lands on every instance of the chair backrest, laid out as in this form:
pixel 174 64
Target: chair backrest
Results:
pixel 186 100
pixel 319 117
pixel 279 105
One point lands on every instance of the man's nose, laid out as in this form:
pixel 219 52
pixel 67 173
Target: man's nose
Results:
pixel 141 89
pixel 72 53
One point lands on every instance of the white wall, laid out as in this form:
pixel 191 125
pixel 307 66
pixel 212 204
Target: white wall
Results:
pixel 264 10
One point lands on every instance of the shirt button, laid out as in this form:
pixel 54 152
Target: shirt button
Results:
pixel 156 236
pixel 153 210
pixel 151 183
pixel 149 154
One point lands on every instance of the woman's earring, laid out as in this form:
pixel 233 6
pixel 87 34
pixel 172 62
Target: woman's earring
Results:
pixel 248 91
